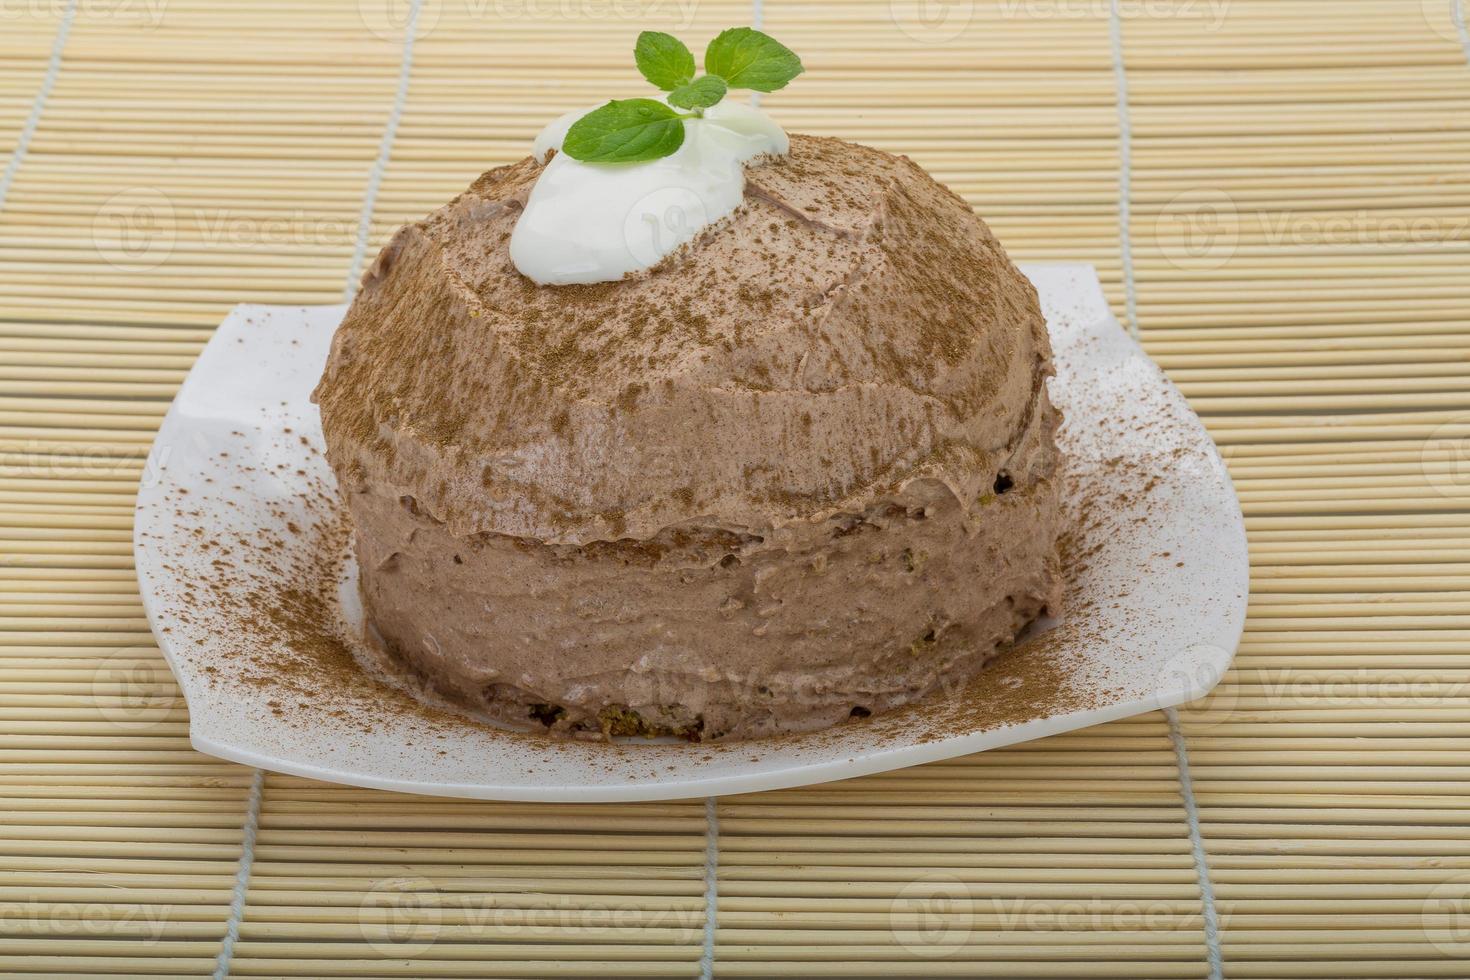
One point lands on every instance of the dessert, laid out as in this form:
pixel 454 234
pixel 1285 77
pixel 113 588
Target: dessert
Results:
pixel 795 465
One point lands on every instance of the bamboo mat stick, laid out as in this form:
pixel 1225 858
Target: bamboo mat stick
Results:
pixel 1314 808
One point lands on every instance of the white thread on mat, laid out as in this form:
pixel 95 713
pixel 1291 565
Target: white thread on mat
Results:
pixel 1125 167
pixel 385 152
pixel 242 877
pixel 711 808
pixel 364 231
pixel 1457 15
pixel 1208 908
pixel 38 104
pixel 757 21
pixel 711 887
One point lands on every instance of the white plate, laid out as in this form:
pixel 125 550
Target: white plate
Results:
pixel 236 484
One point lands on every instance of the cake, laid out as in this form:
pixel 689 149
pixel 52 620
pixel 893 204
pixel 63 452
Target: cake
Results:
pixel 800 470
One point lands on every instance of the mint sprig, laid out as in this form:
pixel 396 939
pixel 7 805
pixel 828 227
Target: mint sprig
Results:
pixel 635 130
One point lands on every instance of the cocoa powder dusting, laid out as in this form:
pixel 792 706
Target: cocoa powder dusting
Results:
pixel 275 595
pixel 272 596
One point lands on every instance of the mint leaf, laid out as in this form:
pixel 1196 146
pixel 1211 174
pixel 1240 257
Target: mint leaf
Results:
pixel 635 130
pixel 625 131
pixel 664 60
pixel 746 58
pixel 699 94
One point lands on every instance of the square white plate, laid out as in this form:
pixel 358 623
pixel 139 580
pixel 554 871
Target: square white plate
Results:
pixel 1158 576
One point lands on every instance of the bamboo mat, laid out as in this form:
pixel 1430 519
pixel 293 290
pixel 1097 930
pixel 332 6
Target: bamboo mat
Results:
pixel 1293 246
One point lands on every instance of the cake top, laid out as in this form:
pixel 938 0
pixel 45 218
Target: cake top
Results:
pixel 595 222
pixel 637 178
pixel 850 330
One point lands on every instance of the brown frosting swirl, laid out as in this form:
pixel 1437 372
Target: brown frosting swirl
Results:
pixel 854 327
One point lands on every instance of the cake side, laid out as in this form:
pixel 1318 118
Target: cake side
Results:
pixel 707 632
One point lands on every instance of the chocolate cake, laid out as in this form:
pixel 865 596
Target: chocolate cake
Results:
pixel 800 470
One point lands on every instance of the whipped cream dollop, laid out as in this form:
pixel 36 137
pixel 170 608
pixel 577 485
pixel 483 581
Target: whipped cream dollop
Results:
pixel 597 222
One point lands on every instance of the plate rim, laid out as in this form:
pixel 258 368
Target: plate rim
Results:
pixel 883 758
